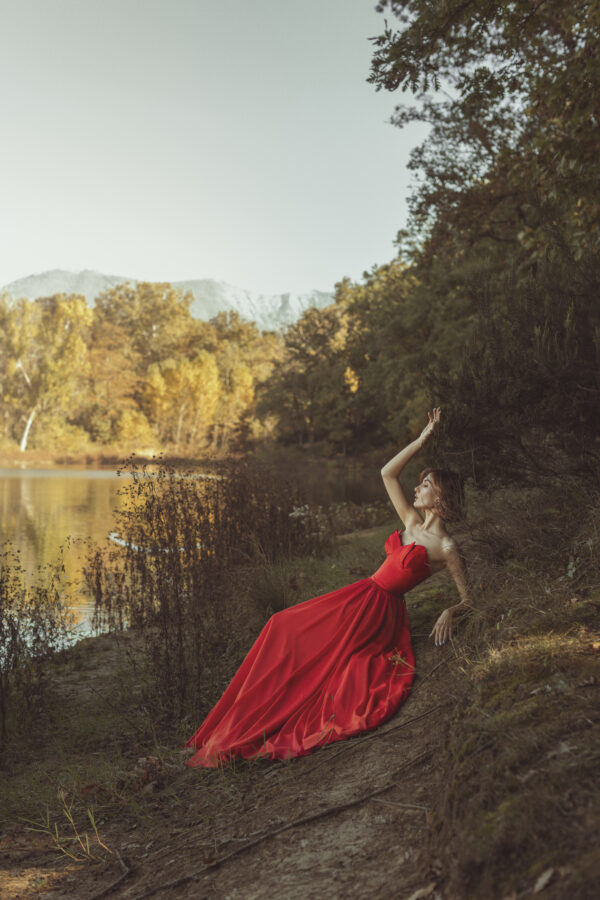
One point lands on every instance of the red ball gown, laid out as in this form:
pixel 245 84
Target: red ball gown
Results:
pixel 321 671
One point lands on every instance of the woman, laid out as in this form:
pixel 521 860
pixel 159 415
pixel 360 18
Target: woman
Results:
pixel 341 663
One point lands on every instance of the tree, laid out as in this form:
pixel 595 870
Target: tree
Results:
pixel 181 397
pixel 46 357
pixel 236 393
pixel 114 382
pixel 245 359
pixel 155 316
pixel 18 328
pixel 524 400
pixel 311 391
pixel 513 155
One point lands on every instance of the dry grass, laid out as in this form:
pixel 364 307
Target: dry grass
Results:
pixel 98 719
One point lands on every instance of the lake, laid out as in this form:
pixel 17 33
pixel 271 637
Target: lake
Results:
pixel 40 508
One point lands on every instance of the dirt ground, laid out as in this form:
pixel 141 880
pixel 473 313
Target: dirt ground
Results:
pixel 350 820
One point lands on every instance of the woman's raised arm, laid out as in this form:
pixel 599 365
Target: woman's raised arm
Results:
pixel 392 469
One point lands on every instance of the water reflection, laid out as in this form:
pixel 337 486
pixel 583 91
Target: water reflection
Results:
pixel 40 508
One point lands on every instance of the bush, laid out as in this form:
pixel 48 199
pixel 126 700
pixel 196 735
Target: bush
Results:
pixel 182 536
pixel 520 757
pixel 33 625
pixel 58 435
pixel 133 428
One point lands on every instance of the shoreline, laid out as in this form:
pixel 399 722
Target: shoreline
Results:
pixel 107 458
pixel 109 455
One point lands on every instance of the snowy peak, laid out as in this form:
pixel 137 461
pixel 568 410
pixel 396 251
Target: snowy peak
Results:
pixel 269 311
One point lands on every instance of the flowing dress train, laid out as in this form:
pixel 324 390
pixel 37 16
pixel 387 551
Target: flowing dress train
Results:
pixel 321 671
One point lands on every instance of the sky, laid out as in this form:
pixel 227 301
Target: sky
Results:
pixel 167 140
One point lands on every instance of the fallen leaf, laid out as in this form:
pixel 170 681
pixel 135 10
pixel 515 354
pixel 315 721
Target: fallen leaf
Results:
pixel 525 778
pixel 563 747
pixel 93 789
pixel 150 787
pixel 423 892
pixel 543 880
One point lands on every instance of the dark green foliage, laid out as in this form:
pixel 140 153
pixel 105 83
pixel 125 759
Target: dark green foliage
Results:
pixel 311 394
pixel 491 308
pixel 525 399
pixel 511 91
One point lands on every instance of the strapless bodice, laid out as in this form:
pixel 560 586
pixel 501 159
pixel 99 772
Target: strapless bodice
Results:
pixel 404 566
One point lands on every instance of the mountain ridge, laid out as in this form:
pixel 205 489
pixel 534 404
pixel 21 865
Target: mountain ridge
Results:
pixel 269 311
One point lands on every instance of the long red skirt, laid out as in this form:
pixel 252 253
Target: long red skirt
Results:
pixel 324 670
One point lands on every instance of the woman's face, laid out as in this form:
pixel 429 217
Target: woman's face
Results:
pixel 425 494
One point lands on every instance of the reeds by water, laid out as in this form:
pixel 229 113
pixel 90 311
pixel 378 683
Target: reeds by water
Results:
pixel 182 536
pixel 33 625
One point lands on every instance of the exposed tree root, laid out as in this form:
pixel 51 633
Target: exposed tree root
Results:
pixel 185 879
pixel 115 884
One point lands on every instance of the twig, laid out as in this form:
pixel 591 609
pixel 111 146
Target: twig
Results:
pixel 404 805
pixel 166 848
pixel 294 824
pixel 115 884
pixel 125 868
pixel 378 732
pixel 482 748
pixel 421 757
pixel 430 673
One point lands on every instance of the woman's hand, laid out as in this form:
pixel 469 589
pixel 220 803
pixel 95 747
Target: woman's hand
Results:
pixel 430 427
pixel 442 630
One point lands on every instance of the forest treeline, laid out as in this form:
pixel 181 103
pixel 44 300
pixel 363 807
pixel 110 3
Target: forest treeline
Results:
pixel 490 308
pixel 134 371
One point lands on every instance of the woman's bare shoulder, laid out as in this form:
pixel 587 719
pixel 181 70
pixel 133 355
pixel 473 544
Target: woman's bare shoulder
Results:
pixel 443 550
pixel 448 545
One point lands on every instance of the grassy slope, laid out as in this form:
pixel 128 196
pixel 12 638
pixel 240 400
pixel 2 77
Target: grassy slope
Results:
pixel 522 792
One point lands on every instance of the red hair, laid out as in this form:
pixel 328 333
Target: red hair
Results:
pixel 450 500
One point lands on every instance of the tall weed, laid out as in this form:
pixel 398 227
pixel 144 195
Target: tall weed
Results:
pixel 183 538
pixel 34 623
